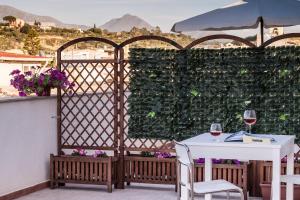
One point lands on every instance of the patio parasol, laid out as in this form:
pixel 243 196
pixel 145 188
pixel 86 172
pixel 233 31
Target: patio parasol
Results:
pixel 245 14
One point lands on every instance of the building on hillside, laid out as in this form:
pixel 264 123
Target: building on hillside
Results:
pixel 12 61
pixel 44 25
pixel 276 31
pixel 88 54
pixel 19 23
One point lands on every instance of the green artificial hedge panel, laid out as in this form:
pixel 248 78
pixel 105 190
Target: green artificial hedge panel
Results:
pixel 152 101
pixel 193 88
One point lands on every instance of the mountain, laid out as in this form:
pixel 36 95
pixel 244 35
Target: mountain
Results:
pixel 126 23
pixel 29 17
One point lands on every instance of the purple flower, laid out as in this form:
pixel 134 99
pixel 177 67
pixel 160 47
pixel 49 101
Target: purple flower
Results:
pixel 200 160
pixel 79 152
pixel 22 94
pixel 99 153
pixel 162 155
pixel 237 162
pixel 30 82
pixel 16 71
pixel 217 161
pixel 29 73
pixel 41 79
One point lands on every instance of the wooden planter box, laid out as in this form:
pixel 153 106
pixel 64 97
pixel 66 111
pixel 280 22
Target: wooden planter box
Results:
pixel 266 191
pixel 266 171
pixel 83 170
pixel 150 170
pixel 236 174
pixel 266 178
pixel 163 171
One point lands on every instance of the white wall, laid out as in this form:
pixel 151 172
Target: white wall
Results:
pixel 27 137
pixel 5 70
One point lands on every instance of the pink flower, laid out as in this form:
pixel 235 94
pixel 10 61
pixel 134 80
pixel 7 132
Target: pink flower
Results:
pixel 99 153
pixel 82 152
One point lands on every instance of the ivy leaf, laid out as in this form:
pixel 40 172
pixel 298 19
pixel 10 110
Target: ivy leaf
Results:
pixel 194 92
pixel 152 75
pixel 151 114
pixel 283 117
pixel 283 73
pixel 46 80
pixel 239 117
pixel 247 103
pixel 243 71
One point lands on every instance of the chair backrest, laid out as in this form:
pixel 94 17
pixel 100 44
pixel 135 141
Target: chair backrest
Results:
pixel 296 148
pixel 183 154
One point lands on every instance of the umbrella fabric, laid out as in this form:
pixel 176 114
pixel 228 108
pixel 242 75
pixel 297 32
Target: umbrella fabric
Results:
pixel 245 15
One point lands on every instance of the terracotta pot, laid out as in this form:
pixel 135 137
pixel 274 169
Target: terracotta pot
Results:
pixel 266 191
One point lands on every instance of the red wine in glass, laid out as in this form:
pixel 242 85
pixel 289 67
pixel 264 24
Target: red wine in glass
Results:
pixel 250 121
pixel 249 118
pixel 215 130
pixel 215 133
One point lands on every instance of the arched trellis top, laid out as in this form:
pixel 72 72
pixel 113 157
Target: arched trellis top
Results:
pixel 151 37
pixel 219 36
pixel 280 37
pixel 175 44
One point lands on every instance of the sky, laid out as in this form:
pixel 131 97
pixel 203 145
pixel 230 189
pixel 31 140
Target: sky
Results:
pixel 163 13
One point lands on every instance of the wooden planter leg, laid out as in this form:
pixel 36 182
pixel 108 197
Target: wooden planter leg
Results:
pixel 109 176
pixel 51 185
pixel 245 194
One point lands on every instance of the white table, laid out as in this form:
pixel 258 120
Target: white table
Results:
pixel 203 146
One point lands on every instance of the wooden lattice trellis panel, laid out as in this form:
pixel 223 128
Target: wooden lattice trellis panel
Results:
pixel 138 144
pixel 88 113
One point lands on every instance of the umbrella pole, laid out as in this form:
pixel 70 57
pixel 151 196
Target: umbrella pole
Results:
pixel 261 31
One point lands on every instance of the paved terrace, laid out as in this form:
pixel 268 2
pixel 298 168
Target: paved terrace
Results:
pixel 35 165
pixel 132 192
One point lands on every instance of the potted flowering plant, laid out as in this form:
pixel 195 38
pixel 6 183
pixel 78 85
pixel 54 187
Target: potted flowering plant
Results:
pixel 162 155
pixel 79 152
pixel 39 83
pixel 100 154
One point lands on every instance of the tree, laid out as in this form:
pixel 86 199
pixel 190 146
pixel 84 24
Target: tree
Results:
pixel 157 31
pixel 134 32
pixel 37 24
pixel 10 19
pixel 32 43
pixel 96 30
pixel 25 29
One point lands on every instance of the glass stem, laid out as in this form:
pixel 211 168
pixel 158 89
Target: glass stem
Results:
pixel 250 129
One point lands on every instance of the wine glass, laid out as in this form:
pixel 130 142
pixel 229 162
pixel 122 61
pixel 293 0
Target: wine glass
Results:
pixel 250 118
pixel 216 130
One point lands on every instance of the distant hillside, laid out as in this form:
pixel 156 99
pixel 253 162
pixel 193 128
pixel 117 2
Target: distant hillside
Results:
pixel 29 17
pixel 126 23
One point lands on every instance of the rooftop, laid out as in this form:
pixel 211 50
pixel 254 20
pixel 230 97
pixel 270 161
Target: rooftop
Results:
pixel 7 56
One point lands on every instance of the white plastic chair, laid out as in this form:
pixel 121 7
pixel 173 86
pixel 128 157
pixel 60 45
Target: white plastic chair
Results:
pixel 215 186
pixel 294 179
